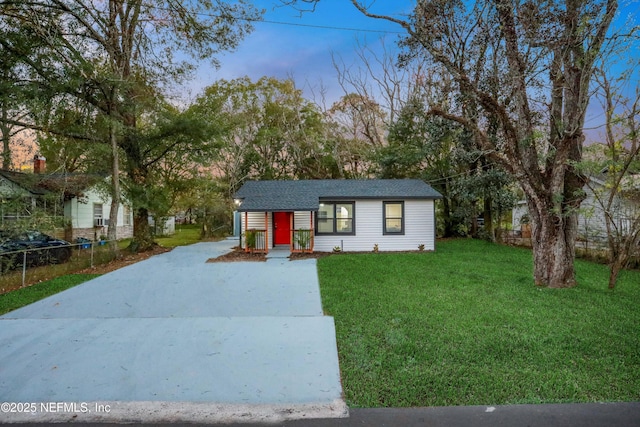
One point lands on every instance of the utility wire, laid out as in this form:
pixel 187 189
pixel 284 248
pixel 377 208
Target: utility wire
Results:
pixel 325 27
pixel 294 24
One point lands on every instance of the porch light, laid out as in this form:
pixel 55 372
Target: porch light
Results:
pixel 237 202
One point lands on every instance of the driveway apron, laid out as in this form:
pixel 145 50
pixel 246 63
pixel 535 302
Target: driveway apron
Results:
pixel 174 338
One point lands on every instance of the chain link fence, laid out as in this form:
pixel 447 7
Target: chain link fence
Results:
pixel 21 268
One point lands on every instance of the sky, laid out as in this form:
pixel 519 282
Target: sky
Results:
pixel 302 51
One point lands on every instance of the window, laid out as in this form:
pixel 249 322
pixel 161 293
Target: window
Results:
pixel 97 215
pixel 335 218
pixel 393 217
pixel 126 213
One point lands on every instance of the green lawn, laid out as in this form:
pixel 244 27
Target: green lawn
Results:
pixel 186 234
pixel 25 296
pixel 465 326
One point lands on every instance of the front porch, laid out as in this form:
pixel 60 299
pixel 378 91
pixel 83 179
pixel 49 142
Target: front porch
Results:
pixel 282 231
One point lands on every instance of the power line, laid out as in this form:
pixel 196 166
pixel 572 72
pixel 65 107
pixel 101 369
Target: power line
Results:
pixel 324 27
pixel 296 24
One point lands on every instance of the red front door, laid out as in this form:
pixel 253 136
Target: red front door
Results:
pixel 282 228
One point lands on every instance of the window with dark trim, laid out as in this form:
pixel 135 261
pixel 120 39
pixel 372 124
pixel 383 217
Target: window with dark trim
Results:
pixel 393 217
pixel 336 218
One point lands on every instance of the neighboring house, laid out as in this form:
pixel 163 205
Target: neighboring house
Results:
pixel 591 216
pixel 352 215
pixel 88 215
pixel 19 194
pixel 85 208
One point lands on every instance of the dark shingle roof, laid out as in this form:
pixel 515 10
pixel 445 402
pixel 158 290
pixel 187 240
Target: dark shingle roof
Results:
pixel 69 184
pixel 305 195
pixel 28 182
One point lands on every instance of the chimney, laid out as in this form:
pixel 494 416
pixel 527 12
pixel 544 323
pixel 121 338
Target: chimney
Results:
pixel 39 164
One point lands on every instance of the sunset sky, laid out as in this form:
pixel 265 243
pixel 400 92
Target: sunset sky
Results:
pixel 291 44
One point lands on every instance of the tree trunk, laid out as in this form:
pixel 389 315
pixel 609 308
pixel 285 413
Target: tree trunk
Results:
pixel 446 218
pixel 142 239
pixel 112 232
pixel 614 270
pixel 6 141
pixel 553 240
pixel 488 219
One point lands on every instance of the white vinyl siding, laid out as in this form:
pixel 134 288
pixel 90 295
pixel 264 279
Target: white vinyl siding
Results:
pixel 256 221
pixel 592 226
pixel 82 213
pixel 419 229
pixel 303 220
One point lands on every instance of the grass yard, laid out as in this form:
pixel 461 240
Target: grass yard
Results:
pixel 25 296
pixel 465 326
pixel 186 234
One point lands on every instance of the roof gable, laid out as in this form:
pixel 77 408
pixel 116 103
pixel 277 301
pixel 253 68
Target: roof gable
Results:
pixel 26 182
pixel 71 185
pixel 305 195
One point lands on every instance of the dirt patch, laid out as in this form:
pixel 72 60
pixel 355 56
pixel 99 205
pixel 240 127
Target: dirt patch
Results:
pixel 124 259
pixel 238 255
pixel 314 255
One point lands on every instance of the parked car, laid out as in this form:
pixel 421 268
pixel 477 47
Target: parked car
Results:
pixel 41 249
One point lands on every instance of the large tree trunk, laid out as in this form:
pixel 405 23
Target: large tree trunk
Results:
pixel 553 240
pixel 554 227
pixel 142 239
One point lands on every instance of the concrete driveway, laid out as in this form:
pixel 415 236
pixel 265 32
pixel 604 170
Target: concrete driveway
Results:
pixel 174 338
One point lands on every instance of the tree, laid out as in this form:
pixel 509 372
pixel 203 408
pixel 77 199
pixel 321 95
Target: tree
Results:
pixel 267 131
pixel 442 153
pixel 617 164
pixel 359 129
pixel 109 54
pixel 172 146
pixel 426 147
pixel 14 93
pixel 545 53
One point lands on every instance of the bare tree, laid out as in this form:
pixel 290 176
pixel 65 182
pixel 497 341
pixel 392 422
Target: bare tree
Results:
pixel 358 130
pixel 615 180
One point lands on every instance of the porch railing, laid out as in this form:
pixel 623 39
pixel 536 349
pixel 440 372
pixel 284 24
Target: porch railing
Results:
pixel 255 241
pixel 302 241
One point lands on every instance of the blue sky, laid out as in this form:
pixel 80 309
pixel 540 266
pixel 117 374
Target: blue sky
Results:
pixel 305 53
pixel 302 52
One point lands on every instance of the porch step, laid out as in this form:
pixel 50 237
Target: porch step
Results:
pixel 279 252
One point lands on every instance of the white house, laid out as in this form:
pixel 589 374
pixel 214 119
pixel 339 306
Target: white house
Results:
pixel 85 208
pixel 87 213
pixel 352 215
pixel 591 216
pixel 17 186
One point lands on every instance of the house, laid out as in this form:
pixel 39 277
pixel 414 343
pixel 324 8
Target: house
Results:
pixel 79 198
pixel 345 215
pixel 87 212
pixel 19 195
pixel 592 226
